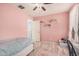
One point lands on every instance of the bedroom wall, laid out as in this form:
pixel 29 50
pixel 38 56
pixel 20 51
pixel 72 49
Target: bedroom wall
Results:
pixel 58 28
pixel 12 22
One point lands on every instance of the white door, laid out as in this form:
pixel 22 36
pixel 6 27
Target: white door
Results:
pixel 36 31
pixel 29 28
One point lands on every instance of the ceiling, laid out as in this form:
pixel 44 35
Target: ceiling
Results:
pixel 50 8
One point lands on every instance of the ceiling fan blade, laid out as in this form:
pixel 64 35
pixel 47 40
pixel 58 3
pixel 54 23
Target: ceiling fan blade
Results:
pixel 43 8
pixel 21 7
pixel 35 8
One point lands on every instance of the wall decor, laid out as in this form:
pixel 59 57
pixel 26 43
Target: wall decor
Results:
pixel 47 24
pixel 52 20
pixel 41 21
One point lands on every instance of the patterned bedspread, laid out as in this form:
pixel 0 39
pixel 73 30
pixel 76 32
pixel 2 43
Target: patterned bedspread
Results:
pixel 12 47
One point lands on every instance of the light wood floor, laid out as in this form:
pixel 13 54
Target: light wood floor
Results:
pixel 46 48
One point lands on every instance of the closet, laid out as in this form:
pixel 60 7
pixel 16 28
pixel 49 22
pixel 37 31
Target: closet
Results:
pixel 74 25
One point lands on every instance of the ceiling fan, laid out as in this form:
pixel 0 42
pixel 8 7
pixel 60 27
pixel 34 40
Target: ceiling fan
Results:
pixel 42 7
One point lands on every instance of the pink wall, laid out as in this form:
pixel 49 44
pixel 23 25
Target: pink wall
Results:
pixel 59 28
pixel 12 22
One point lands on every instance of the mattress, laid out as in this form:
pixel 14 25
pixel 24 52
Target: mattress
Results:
pixel 10 48
pixel 26 51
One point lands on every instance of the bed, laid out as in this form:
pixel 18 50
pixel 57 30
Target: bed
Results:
pixel 16 47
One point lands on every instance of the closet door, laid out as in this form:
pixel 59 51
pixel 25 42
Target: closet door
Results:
pixel 36 31
pixel 73 24
pixel 78 25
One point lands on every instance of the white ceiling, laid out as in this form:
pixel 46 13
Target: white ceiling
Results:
pixel 50 8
